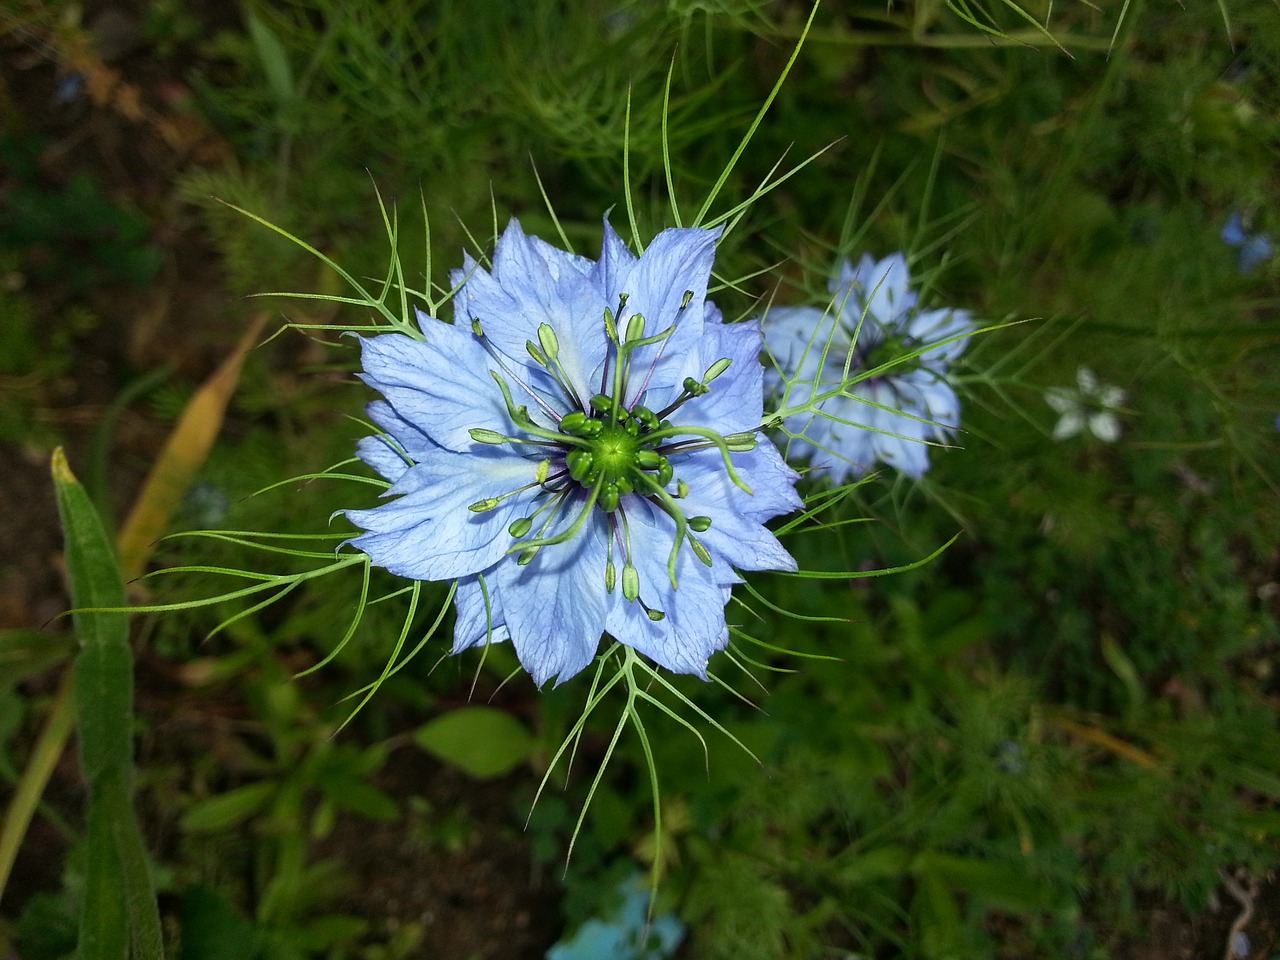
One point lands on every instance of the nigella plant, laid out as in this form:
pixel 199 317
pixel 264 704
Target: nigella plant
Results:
pixel 864 380
pixel 578 450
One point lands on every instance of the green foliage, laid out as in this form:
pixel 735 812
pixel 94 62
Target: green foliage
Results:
pixel 1011 750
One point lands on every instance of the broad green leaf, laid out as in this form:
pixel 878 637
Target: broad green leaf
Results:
pixel 481 740
pixel 228 809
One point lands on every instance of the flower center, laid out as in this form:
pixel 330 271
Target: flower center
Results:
pixel 893 347
pixel 616 450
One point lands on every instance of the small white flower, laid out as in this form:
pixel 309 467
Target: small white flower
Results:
pixel 1087 406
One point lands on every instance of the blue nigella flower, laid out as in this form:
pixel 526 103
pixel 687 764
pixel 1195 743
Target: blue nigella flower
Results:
pixel 626 935
pixel 872 324
pixel 579 450
pixel 1253 248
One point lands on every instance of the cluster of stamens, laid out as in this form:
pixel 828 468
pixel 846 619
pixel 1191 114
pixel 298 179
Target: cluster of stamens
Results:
pixel 607 447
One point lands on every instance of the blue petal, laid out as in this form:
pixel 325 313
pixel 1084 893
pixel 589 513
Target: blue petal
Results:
pixel 1233 230
pixel 428 532
pixel 882 287
pixel 678 261
pixel 736 399
pixel 385 457
pixel 442 387
pixel 533 283
pixel 474 624
pixel 615 263
pixel 1255 250
pixel 555 606
pixel 694 626
pixel 410 438
pixel 737 532
pixel 933 326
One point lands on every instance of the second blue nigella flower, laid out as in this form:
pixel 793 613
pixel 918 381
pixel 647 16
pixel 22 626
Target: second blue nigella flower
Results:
pixel 897 357
pixel 579 450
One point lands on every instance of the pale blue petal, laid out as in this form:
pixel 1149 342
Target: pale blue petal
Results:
pixel 615 263
pixel 555 607
pixel 410 438
pixel 385 457
pixel 932 326
pixel 677 262
pixel 442 386
pixel 428 533
pixel 474 624
pixel 737 532
pixel 694 626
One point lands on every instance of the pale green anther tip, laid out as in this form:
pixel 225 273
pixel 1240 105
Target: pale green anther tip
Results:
pixel 717 368
pixel 657 616
pixel 630 581
pixel 684 301
pixel 682 489
pixel 526 555
pixel 550 343
pixel 635 327
pixel 539 357
pixel 544 468
pixel 610 576
pixel 520 526
pixel 700 551
pixel 485 435
pixel 480 506
pixel 700 524
pixel 476 328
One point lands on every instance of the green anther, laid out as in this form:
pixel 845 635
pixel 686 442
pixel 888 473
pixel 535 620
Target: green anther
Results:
pixel 693 388
pixel 649 459
pixel 544 468
pixel 609 496
pixel 526 555
pixel 573 422
pixel 700 524
pixel 484 435
pixel 657 616
pixel 741 442
pixel 635 327
pixel 684 301
pixel 480 506
pixel 665 473
pixel 717 368
pixel 550 343
pixel 682 489
pixel 646 417
pixel 579 424
pixel 700 551
pixel 539 357
pixel 581 464
pixel 610 575
pixel 520 526
pixel 601 403
pixel 630 581
pixel 476 328
pixel 610 328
